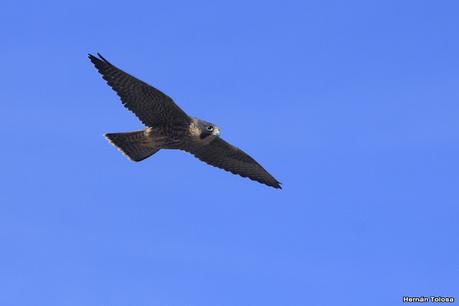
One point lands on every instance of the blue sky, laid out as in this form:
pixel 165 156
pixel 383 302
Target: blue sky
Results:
pixel 352 105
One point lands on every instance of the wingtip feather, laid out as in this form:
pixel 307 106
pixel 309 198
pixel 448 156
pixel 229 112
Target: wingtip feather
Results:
pixel 99 58
pixel 103 58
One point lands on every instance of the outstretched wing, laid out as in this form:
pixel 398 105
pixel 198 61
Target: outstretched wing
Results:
pixel 150 105
pixel 223 155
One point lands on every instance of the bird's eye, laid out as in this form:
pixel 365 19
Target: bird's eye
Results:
pixel 210 128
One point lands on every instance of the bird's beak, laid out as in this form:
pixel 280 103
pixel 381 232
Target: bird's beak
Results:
pixel 217 131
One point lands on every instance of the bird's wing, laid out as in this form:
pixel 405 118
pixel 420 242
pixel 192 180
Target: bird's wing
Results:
pixel 150 105
pixel 219 153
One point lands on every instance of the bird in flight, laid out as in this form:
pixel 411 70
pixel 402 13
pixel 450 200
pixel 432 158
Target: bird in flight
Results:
pixel 169 127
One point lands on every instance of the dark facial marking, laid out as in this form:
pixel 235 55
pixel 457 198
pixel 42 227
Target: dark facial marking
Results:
pixel 204 135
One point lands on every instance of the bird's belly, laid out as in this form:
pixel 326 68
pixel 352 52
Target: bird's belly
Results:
pixel 165 139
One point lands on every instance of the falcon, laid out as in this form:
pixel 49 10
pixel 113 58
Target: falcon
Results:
pixel 169 127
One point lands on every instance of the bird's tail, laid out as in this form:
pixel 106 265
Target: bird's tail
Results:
pixel 135 145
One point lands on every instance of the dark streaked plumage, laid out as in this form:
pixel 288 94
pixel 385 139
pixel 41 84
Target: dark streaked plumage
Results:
pixel 169 127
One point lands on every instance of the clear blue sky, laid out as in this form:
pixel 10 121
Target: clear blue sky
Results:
pixel 352 105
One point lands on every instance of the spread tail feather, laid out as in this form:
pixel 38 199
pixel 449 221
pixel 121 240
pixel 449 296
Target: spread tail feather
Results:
pixel 135 145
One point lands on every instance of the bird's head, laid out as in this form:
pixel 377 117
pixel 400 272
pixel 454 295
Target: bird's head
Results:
pixel 207 129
